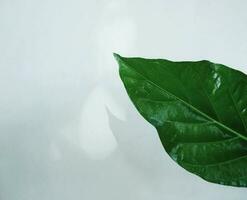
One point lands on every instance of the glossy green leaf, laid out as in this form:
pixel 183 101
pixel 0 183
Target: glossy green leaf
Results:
pixel 199 110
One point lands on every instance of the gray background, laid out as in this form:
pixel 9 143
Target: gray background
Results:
pixel 67 127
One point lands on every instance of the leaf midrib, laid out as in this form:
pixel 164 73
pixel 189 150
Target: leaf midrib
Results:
pixel 189 105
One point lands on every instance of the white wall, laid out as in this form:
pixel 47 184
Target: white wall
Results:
pixel 67 127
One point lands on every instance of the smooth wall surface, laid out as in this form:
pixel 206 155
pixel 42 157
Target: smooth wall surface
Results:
pixel 67 127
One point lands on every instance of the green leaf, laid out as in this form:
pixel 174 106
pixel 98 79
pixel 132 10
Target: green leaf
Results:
pixel 199 110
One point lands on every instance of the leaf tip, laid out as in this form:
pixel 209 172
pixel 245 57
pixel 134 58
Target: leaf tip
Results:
pixel 117 57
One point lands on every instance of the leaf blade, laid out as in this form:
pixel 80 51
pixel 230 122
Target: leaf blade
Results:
pixel 161 94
